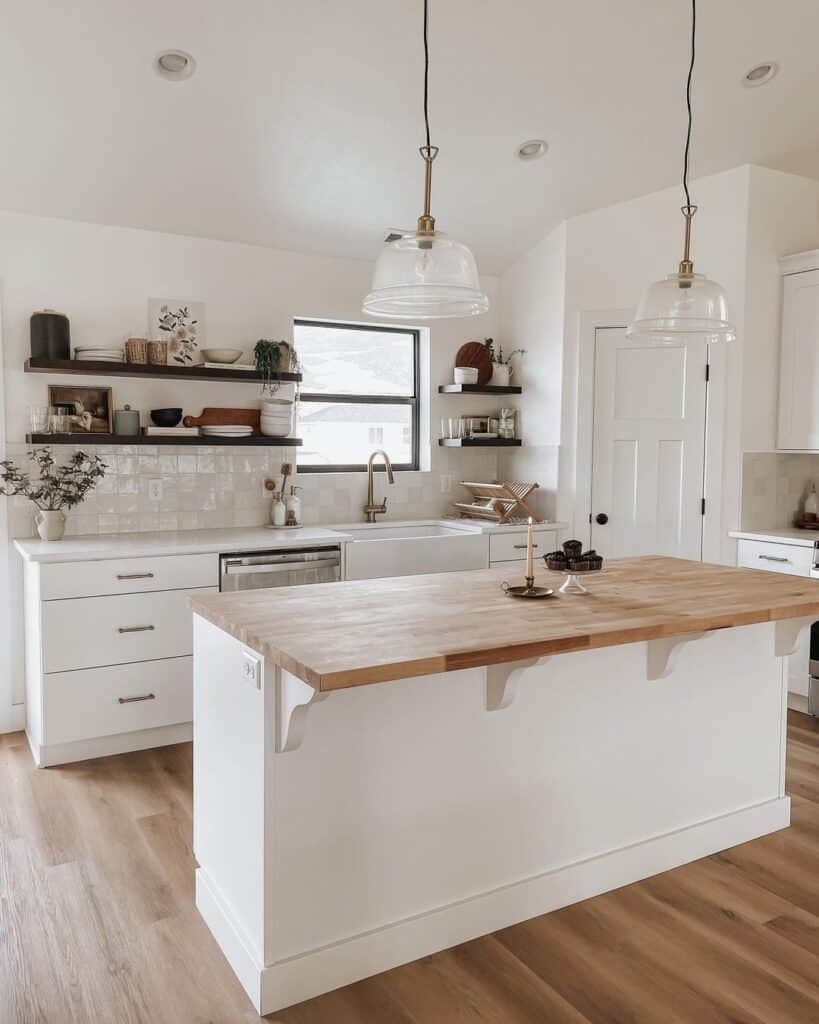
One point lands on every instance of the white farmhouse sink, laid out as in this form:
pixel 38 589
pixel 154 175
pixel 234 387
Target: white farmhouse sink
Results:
pixel 407 549
pixel 378 531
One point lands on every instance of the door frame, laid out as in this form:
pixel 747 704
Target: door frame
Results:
pixel 588 324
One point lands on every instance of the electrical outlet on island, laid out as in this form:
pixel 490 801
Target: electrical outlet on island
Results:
pixel 155 490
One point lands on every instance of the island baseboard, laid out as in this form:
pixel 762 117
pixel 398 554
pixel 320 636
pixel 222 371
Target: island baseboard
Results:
pixel 276 986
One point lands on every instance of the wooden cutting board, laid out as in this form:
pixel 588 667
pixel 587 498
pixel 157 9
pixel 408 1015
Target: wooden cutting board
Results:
pixel 214 417
pixel 474 353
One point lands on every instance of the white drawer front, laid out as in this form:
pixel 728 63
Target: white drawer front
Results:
pixel 127 576
pixel 511 547
pixel 119 698
pixel 787 558
pixel 93 631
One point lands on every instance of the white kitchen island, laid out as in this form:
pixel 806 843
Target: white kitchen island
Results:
pixel 386 768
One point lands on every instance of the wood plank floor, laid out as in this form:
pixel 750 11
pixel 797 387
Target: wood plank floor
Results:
pixel 97 922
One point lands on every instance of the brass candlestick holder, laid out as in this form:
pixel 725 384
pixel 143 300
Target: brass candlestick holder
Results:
pixel 529 590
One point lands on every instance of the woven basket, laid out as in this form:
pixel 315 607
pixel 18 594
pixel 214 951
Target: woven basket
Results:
pixel 157 353
pixel 136 350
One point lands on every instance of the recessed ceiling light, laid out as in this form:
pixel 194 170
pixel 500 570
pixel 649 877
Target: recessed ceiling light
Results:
pixel 175 65
pixel 532 150
pixel 760 74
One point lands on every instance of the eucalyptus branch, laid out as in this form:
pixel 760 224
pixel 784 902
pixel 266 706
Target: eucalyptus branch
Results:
pixel 49 486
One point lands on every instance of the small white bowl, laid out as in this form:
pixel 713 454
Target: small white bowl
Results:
pixel 221 355
pixel 465 375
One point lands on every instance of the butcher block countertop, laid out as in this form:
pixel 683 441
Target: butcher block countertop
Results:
pixel 337 635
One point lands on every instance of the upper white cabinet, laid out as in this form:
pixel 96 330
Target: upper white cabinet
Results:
pixel 799 356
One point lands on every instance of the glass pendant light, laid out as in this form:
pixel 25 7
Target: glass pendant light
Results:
pixel 423 274
pixel 684 303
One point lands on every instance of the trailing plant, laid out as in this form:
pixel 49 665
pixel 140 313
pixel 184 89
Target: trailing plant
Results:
pixel 271 359
pixel 52 487
pixel 498 356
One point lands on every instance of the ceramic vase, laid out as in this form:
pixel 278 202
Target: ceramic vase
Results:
pixel 50 525
pixel 500 375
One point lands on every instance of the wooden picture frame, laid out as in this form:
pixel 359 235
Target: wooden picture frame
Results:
pixel 99 402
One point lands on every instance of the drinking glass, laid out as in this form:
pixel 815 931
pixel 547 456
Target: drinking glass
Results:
pixel 38 419
pixel 444 427
pixel 455 427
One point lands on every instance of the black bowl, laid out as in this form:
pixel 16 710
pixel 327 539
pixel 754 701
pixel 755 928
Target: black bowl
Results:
pixel 166 417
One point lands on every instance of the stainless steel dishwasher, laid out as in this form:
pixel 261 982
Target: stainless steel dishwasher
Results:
pixel 285 567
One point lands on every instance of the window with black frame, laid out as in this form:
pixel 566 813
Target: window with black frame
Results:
pixel 359 392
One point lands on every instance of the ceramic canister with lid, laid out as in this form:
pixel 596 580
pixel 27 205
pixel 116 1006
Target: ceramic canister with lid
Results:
pixel 126 421
pixel 50 335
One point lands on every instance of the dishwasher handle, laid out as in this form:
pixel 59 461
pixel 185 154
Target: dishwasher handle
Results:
pixel 231 567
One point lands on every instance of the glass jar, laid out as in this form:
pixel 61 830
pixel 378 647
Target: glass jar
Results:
pixel 506 423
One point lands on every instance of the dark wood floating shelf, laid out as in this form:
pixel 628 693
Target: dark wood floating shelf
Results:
pixel 480 442
pixel 479 389
pixel 95 368
pixel 95 440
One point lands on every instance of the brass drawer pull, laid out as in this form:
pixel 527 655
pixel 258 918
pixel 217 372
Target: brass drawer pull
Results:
pixel 135 575
pixel 133 700
pixel 522 547
pixel 773 558
pixel 135 629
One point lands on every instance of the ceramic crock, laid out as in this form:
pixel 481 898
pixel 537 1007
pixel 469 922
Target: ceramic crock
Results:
pixel 50 525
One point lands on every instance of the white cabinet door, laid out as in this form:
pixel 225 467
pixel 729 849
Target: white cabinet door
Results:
pixel 799 363
pixel 649 446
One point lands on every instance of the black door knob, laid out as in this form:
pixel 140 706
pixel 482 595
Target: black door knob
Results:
pixel 601 518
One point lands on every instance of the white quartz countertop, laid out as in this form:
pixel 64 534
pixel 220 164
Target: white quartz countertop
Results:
pixel 93 547
pixel 785 534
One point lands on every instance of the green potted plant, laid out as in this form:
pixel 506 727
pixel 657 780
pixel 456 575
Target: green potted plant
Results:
pixel 271 359
pixel 53 488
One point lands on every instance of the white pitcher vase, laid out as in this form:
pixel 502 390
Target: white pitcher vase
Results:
pixel 50 525
pixel 500 375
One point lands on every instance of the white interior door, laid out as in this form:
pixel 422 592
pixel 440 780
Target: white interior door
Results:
pixel 649 445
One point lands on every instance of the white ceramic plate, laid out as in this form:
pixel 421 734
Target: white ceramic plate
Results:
pixel 235 431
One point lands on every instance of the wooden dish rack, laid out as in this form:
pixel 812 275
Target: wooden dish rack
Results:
pixel 498 503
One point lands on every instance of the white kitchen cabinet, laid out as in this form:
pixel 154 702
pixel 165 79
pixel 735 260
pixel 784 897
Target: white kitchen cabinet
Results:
pixel 511 547
pixel 792 559
pixel 799 354
pixel 108 653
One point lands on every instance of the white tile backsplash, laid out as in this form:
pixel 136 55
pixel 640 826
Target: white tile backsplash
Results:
pixel 774 487
pixel 224 487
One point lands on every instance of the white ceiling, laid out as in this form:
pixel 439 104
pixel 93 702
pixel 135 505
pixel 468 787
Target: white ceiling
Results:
pixel 300 128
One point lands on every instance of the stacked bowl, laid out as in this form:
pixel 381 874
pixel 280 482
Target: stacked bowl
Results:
pixel 277 417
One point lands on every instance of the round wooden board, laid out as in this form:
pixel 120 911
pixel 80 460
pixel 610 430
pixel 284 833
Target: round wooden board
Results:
pixel 474 353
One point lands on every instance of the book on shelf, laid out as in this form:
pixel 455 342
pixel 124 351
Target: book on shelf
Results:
pixel 245 367
pixel 170 431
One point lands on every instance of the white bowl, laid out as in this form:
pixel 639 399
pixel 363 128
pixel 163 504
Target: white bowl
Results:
pixel 465 375
pixel 275 430
pixel 221 355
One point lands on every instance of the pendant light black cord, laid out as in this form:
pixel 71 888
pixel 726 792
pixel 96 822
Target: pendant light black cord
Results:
pixel 687 100
pixel 426 71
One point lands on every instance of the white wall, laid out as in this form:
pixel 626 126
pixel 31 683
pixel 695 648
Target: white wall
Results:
pixel 102 277
pixel 532 301
pixel 748 216
pixel 613 254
